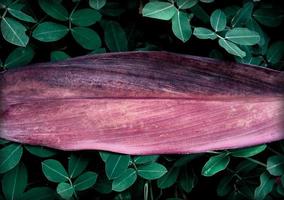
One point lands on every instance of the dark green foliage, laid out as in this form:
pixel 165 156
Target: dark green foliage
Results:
pixel 52 30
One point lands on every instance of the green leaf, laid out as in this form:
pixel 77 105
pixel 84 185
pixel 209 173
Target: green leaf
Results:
pixel 103 185
pixel 65 190
pixel 125 180
pixel 116 164
pixel 181 26
pixel 270 17
pixel 200 13
pixel 168 179
pixel 10 156
pixel 254 26
pixel 231 48
pixel 85 181
pixel 151 171
pixel 159 10
pixel 265 187
pixel 85 17
pixel 54 171
pixel 14 182
pixel 218 20
pixel 104 155
pixel 185 160
pixel 14 32
pixel 86 37
pixel 49 32
pixel 21 15
pixel 54 9
pixel 185 4
pixel 2 141
pixel 204 33
pixel 282 180
pixel 275 52
pixel 113 9
pixel 187 179
pixel 76 165
pixel 250 60
pixel 224 187
pixel 39 151
pixel 145 159
pixel 99 50
pixel 231 11
pixel 243 15
pixel 115 37
pixel 58 56
pixel 275 165
pixel 39 193
pixel 248 152
pixel 215 164
pixel 19 57
pixel 245 167
pixel 6 2
pixel 97 4
pixel 216 54
pixel 243 36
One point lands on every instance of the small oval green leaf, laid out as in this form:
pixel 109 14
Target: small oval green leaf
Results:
pixel 248 152
pixel 97 4
pixel 215 164
pixel 218 20
pixel 181 26
pixel 21 15
pixel 54 9
pixel 145 159
pixel 187 179
pixel 204 33
pixel 231 48
pixel 116 164
pixel 151 171
pixel 159 10
pixel 14 182
pixel 275 165
pixel 185 4
pixel 19 57
pixel 169 178
pixel 275 52
pixel 10 156
pixel 76 165
pixel 115 37
pixel 58 56
pixel 14 32
pixel 39 193
pixel 42 152
pixel 243 15
pixel 54 171
pixel 243 36
pixel 49 32
pixel 271 17
pixel 85 17
pixel 265 187
pixel 65 190
pixel 86 37
pixel 85 181
pixel 125 180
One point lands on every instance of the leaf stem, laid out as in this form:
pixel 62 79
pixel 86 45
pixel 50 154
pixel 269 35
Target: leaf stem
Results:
pixel 4 14
pixel 70 16
pixel 274 151
pixel 256 161
pixel 75 194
